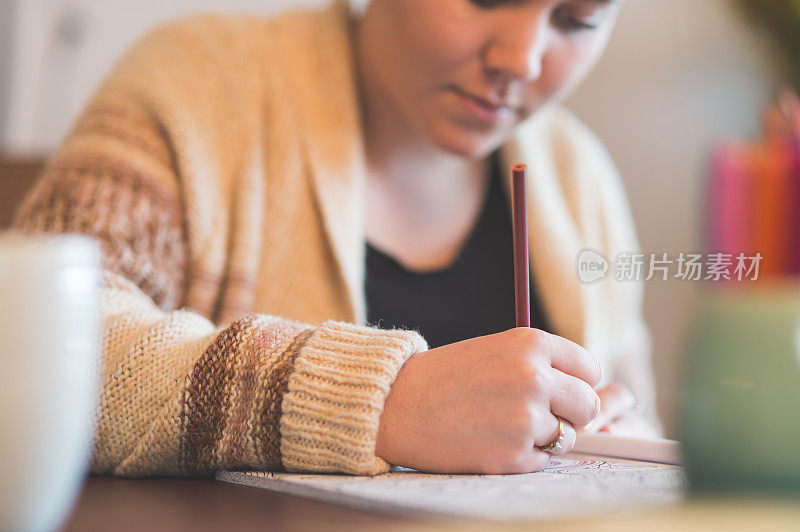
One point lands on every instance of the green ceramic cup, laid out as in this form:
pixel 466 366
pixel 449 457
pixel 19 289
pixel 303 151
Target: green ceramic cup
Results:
pixel 741 414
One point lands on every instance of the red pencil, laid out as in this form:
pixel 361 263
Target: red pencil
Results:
pixel 521 265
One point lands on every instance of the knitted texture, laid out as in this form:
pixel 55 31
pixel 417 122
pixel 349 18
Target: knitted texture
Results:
pixel 180 396
pixel 335 394
pixel 221 167
pixel 198 377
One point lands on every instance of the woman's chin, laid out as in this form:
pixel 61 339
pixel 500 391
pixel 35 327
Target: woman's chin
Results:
pixel 469 145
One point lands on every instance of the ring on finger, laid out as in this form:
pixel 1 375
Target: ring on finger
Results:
pixel 557 445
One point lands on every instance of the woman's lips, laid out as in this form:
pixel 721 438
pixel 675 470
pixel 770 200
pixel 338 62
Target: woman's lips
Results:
pixel 481 109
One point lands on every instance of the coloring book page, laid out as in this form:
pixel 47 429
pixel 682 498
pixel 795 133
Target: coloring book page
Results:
pixel 571 486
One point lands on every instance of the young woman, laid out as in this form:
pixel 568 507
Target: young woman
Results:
pixel 307 242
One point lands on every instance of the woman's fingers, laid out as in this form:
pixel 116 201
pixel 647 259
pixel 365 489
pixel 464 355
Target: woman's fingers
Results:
pixel 548 433
pixel 570 358
pixel 615 401
pixel 573 400
pixel 536 461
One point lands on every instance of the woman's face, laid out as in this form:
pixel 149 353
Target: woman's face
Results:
pixel 465 73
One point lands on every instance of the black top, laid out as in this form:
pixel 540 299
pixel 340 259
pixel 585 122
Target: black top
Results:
pixel 474 296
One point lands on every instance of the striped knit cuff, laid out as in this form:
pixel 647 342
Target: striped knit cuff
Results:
pixel 335 395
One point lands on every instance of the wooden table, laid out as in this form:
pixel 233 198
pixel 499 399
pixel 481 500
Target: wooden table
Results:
pixel 17 176
pixel 198 505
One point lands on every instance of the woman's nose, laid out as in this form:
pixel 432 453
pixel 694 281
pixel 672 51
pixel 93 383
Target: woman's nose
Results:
pixel 517 48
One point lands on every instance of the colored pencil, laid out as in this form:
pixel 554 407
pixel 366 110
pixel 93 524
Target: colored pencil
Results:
pixel 521 260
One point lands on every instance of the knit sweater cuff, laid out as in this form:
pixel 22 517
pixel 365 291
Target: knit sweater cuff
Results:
pixel 335 395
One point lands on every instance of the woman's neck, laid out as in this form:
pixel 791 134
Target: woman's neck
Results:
pixel 421 200
pixel 415 172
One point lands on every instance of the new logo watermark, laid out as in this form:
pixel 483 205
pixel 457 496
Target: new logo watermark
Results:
pixel 594 267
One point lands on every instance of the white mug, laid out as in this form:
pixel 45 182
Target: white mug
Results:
pixel 49 374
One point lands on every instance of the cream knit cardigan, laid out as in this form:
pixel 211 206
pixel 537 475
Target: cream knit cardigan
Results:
pixel 221 166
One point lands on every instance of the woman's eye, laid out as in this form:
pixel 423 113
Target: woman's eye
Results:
pixel 570 22
pixel 566 17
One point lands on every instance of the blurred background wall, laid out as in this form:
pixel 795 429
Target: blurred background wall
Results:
pixel 678 75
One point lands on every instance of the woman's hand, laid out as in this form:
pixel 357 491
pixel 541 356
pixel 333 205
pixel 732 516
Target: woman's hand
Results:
pixel 618 414
pixel 482 405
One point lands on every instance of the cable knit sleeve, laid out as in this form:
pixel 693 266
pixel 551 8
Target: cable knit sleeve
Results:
pixel 181 395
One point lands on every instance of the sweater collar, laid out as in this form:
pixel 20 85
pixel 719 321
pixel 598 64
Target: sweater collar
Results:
pixel 329 120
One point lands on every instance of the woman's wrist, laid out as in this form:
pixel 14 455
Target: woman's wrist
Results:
pixel 394 426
